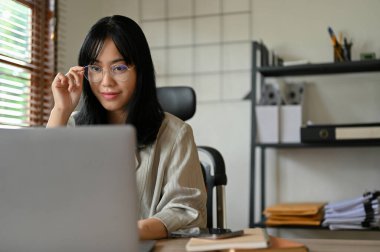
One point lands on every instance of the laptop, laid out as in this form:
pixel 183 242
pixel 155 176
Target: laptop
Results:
pixel 68 189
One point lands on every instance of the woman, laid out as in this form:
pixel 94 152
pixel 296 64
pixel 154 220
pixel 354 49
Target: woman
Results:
pixel 115 78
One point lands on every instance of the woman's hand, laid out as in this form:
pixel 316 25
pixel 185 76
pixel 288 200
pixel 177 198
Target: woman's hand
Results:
pixel 66 90
pixel 151 229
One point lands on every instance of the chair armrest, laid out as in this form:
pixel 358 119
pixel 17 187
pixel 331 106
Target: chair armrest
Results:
pixel 220 177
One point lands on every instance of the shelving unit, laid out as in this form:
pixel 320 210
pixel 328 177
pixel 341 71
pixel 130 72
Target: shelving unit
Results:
pixel 260 52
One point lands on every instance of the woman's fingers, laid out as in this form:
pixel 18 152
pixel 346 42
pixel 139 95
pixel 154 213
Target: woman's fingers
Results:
pixel 76 76
pixel 71 81
pixel 67 88
pixel 60 80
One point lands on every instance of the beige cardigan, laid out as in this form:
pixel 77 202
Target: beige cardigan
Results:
pixel 169 177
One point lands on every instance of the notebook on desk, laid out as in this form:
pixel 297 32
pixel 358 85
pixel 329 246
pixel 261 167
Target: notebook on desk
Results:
pixel 68 189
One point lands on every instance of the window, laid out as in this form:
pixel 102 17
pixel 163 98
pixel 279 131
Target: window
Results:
pixel 27 61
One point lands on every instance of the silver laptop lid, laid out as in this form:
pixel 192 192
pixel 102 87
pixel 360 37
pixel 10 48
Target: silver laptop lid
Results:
pixel 68 189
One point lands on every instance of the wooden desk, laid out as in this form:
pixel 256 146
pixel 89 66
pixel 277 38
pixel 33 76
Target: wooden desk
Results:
pixel 171 245
pixel 332 245
pixel 314 245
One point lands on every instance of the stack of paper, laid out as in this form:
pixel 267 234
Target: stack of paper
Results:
pixel 294 214
pixel 357 213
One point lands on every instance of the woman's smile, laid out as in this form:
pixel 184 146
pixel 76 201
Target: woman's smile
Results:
pixel 110 95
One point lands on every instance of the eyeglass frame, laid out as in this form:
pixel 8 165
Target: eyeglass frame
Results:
pixel 112 74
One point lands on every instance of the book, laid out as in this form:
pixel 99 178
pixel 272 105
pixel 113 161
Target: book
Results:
pixel 340 132
pixel 253 238
pixel 277 245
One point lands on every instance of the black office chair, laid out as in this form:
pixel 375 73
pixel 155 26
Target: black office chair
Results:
pixel 181 102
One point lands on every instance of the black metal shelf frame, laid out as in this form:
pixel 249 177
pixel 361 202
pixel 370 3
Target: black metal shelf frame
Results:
pixel 321 68
pixel 260 50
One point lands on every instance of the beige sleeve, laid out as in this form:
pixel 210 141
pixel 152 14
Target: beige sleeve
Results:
pixel 183 201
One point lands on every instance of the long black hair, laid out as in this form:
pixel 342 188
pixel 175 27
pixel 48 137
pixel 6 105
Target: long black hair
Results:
pixel 144 110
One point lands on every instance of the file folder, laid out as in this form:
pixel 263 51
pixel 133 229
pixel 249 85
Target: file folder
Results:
pixel 301 213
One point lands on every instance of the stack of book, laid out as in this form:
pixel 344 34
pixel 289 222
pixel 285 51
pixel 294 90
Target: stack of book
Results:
pixel 357 213
pixel 289 214
pixel 253 240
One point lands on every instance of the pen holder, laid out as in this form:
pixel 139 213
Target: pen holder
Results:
pixel 347 51
pixel 338 53
pixel 342 53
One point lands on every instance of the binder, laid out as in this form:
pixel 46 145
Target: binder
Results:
pixel 340 133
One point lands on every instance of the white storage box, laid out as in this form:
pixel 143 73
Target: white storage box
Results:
pixel 279 124
pixel 267 122
pixel 290 123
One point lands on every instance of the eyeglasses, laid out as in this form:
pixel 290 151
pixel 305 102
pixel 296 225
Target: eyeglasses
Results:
pixel 95 74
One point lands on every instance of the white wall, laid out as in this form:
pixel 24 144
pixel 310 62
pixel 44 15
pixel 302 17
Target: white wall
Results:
pixel 295 29
pixel 75 18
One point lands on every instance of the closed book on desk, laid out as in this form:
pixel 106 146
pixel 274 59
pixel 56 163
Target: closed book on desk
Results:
pixel 277 245
pixel 340 133
pixel 253 238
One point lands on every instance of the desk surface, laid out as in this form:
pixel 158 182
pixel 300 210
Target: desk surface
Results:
pixel 314 245
pixel 170 245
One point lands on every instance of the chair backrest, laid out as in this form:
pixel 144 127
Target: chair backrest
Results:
pixel 181 102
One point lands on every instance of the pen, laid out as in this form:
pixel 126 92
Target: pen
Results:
pixel 340 38
pixel 332 36
pixel 347 49
pixel 337 47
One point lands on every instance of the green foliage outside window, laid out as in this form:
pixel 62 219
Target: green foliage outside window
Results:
pixel 16 56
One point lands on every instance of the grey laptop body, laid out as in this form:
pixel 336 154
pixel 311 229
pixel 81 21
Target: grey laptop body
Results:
pixel 68 189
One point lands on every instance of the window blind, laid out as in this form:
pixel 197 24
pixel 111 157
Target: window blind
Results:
pixel 27 61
